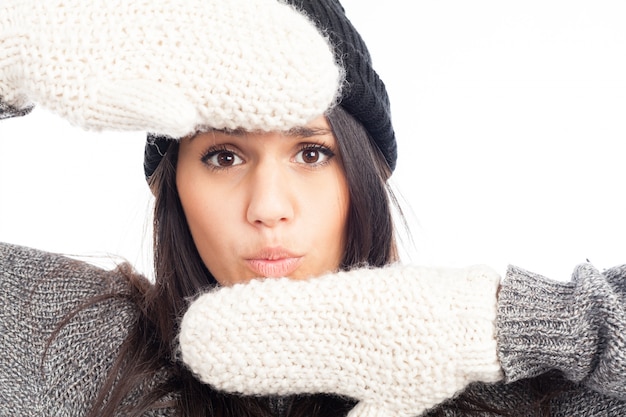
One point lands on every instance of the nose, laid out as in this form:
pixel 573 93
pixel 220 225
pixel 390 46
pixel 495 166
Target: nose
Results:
pixel 271 199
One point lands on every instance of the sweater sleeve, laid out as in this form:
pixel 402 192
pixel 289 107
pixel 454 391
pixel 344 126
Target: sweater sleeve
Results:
pixel 7 111
pixel 576 327
pixel 37 291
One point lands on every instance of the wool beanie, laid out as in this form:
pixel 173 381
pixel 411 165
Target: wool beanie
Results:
pixel 362 95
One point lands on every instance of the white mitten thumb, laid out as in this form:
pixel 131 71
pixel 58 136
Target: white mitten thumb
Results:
pixel 143 101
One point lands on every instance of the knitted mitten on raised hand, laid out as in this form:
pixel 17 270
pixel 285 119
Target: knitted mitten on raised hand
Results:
pixel 399 339
pixel 166 66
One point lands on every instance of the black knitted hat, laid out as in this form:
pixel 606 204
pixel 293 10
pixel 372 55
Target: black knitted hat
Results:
pixel 363 96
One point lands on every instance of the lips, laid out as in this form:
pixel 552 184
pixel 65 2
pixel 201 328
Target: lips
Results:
pixel 274 263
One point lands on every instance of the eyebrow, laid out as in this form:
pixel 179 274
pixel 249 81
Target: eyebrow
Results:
pixel 234 132
pixel 302 132
pixel 307 132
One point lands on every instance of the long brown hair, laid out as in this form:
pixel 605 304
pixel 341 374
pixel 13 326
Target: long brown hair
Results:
pixel 148 365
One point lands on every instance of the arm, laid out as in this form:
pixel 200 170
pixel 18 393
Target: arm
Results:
pixel 37 290
pixel 578 327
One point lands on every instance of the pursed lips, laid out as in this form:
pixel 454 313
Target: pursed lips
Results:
pixel 274 262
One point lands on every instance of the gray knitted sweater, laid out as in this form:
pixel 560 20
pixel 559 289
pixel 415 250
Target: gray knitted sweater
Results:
pixel 576 328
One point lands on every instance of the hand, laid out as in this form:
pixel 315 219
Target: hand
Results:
pixel 400 339
pixel 163 66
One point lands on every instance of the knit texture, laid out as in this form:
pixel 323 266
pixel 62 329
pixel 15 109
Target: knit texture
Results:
pixel 37 289
pixel 363 95
pixel 586 320
pixel 167 66
pixel 577 328
pixel 399 339
pixel 7 111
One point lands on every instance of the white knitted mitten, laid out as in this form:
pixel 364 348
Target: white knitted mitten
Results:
pixel 400 339
pixel 166 66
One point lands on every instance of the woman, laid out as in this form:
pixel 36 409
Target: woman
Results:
pixel 398 340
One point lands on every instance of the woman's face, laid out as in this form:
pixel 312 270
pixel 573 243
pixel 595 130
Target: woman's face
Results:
pixel 265 204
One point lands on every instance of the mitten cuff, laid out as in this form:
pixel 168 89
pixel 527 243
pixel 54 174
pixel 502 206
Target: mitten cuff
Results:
pixel 12 102
pixel 472 298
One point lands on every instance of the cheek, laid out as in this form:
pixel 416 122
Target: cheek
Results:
pixel 328 211
pixel 205 208
pixel 212 237
pixel 201 208
pixel 198 210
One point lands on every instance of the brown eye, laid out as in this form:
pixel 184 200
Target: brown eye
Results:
pixel 225 159
pixel 222 159
pixel 314 155
pixel 310 156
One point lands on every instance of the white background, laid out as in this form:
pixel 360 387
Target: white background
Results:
pixel 510 117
